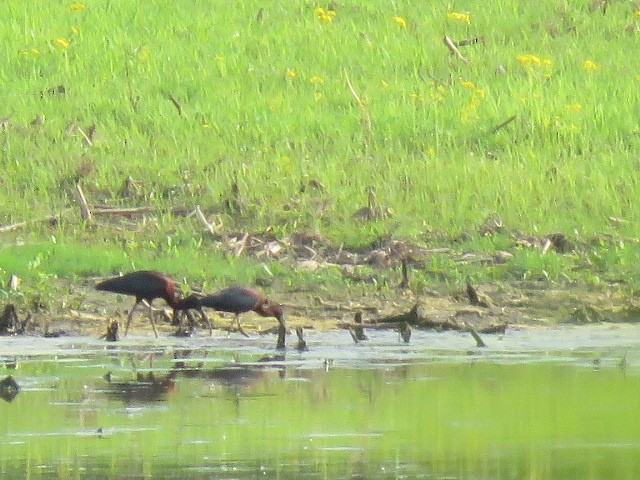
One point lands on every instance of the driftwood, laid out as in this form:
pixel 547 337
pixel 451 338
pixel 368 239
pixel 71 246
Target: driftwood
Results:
pixel 405 332
pixel 359 330
pixel 302 344
pixel 474 334
pixel 413 318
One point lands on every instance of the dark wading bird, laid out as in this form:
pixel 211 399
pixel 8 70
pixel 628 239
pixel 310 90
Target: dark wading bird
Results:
pixel 146 286
pixel 238 300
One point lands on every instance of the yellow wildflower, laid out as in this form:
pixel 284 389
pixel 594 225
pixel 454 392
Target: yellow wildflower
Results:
pixel 325 16
pixel 590 66
pixel 318 96
pixel 291 73
pixel 431 152
pixel 574 107
pixel 467 85
pixel 33 52
pixel 75 30
pixel 459 17
pixel 316 80
pixel 636 14
pixel 384 84
pixel 62 43
pixel 76 7
pixel 400 21
pixel 529 60
pixel 417 97
pixel 143 55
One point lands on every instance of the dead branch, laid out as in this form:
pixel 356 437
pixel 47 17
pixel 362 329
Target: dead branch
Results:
pixel 175 104
pixel 364 111
pixel 106 210
pixel 471 293
pixel 207 226
pixel 52 219
pixel 358 331
pixel 451 45
pixel 475 335
pixel 243 244
pixel 503 124
pixel 85 211
pixel 302 344
pixel 405 273
pixel 12 227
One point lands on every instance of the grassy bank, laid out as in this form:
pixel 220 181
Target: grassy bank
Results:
pixel 286 118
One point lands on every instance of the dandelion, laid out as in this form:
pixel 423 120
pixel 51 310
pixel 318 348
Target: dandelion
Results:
pixel 76 7
pixel 316 80
pixel 590 66
pixel 533 60
pixel 574 107
pixel 467 85
pixel 325 16
pixel 291 73
pixel 459 17
pixel 63 43
pixel 400 21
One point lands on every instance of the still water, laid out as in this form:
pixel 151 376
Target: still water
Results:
pixel 535 404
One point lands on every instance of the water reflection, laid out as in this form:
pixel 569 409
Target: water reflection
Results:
pixel 206 413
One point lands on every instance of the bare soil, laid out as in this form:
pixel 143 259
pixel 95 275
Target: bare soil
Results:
pixel 529 305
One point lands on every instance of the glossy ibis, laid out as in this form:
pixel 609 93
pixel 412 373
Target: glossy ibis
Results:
pixel 238 300
pixel 146 286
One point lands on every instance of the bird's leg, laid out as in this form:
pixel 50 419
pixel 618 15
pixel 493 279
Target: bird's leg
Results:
pixel 126 329
pixel 207 321
pixel 153 323
pixel 240 329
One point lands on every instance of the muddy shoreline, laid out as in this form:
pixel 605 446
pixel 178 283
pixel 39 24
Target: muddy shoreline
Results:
pixel 86 312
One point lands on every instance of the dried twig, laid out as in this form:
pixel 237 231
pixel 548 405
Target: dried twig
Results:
pixel 364 111
pixel 208 226
pixel 85 211
pixel 503 124
pixel 88 135
pixel 243 245
pixel 175 103
pixel 451 45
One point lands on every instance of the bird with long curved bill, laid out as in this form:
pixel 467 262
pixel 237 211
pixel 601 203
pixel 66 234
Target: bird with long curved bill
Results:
pixel 146 286
pixel 239 300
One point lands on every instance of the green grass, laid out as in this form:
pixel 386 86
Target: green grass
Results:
pixel 265 101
